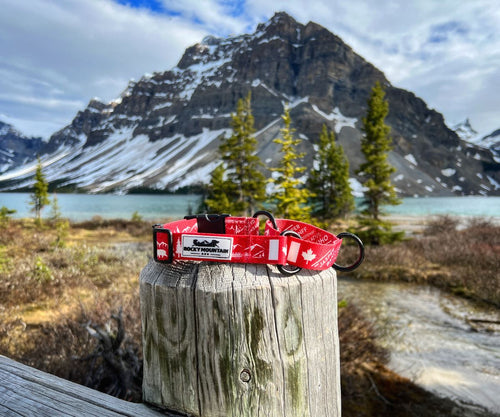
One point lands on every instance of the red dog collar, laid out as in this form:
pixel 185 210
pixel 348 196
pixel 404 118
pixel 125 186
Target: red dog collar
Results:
pixel 290 244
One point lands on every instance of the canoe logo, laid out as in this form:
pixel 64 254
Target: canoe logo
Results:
pixel 195 246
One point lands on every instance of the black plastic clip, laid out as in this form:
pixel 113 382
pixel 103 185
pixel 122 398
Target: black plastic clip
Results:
pixel 210 223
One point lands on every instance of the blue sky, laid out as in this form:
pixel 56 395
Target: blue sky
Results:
pixel 154 5
pixel 57 55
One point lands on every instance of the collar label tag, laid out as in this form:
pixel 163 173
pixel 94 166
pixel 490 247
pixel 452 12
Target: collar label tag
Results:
pixel 207 247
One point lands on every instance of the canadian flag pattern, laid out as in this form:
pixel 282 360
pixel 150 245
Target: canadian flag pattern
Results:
pixel 315 249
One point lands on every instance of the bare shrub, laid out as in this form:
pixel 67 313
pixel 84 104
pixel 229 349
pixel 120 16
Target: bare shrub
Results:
pixel 440 225
pixel 357 340
pixel 464 261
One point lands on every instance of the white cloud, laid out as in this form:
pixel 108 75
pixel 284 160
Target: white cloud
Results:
pixel 56 55
pixel 60 54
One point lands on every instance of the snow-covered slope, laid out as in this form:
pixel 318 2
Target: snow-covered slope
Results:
pixel 125 161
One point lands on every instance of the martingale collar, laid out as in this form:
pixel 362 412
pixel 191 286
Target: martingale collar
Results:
pixel 290 244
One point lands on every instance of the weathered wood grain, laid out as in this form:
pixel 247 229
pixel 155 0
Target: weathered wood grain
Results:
pixel 26 391
pixel 240 340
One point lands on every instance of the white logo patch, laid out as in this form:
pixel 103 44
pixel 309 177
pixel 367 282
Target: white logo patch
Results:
pixel 207 247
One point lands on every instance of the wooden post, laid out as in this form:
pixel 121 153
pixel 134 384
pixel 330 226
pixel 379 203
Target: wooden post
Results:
pixel 240 340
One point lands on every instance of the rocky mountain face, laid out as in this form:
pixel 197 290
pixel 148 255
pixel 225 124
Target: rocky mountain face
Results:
pixel 164 130
pixel 492 142
pixel 15 148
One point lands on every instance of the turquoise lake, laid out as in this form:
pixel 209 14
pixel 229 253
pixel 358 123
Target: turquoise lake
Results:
pixel 78 207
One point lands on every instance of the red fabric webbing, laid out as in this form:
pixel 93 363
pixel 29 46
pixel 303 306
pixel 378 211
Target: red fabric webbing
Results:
pixel 317 249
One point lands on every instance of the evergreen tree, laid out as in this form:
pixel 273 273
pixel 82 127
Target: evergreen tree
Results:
pixel 61 225
pixel 238 186
pixel 289 197
pixel 217 200
pixel 55 212
pixel 40 196
pixel 5 214
pixel 329 180
pixel 245 179
pixel 376 171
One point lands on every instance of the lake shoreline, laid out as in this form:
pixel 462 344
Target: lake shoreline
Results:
pixel 80 207
pixel 415 224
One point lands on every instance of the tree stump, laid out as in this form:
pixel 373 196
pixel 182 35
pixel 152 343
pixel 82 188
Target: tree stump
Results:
pixel 240 340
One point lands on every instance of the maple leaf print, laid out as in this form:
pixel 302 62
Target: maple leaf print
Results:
pixel 309 255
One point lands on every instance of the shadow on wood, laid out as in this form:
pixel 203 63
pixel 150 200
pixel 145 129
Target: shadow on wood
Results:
pixel 240 340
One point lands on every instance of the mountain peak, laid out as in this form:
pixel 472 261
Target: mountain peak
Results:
pixel 279 18
pixel 283 18
pixel 164 130
pixel 211 40
pixel 465 131
pixel 281 24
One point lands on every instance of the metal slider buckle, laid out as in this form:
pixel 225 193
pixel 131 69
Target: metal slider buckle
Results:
pixel 167 256
pixel 361 255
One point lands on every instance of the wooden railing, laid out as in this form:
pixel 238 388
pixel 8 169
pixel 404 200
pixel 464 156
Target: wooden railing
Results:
pixel 26 391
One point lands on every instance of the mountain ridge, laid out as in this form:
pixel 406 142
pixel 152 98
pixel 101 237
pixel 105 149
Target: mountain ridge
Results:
pixel 16 148
pixel 164 130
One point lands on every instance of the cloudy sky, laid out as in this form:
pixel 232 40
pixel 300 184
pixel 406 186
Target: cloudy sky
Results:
pixel 55 55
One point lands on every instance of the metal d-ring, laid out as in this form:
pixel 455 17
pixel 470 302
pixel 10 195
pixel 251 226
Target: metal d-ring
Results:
pixel 283 268
pixel 268 215
pixel 361 253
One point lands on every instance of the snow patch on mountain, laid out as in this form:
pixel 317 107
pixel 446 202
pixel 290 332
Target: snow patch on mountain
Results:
pixel 340 120
pixel 410 158
pixel 448 172
pixel 356 187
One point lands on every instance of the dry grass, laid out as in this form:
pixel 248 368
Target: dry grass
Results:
pixel 50 294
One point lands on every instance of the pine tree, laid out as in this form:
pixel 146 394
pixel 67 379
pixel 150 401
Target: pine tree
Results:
pixel 239 184
pixel 376 171
pixel 40 196
pixel 217 200
pixel 289 196
pixel 5 214
pixel 61 225
pixel 55 212
pixel 329 180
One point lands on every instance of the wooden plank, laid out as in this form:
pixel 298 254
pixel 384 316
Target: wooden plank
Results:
pixel 290 332
pixel 257 349
pixel 151 386
pixel 26 391
pixel 321 343
pixel 238 354
pixel 173 296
